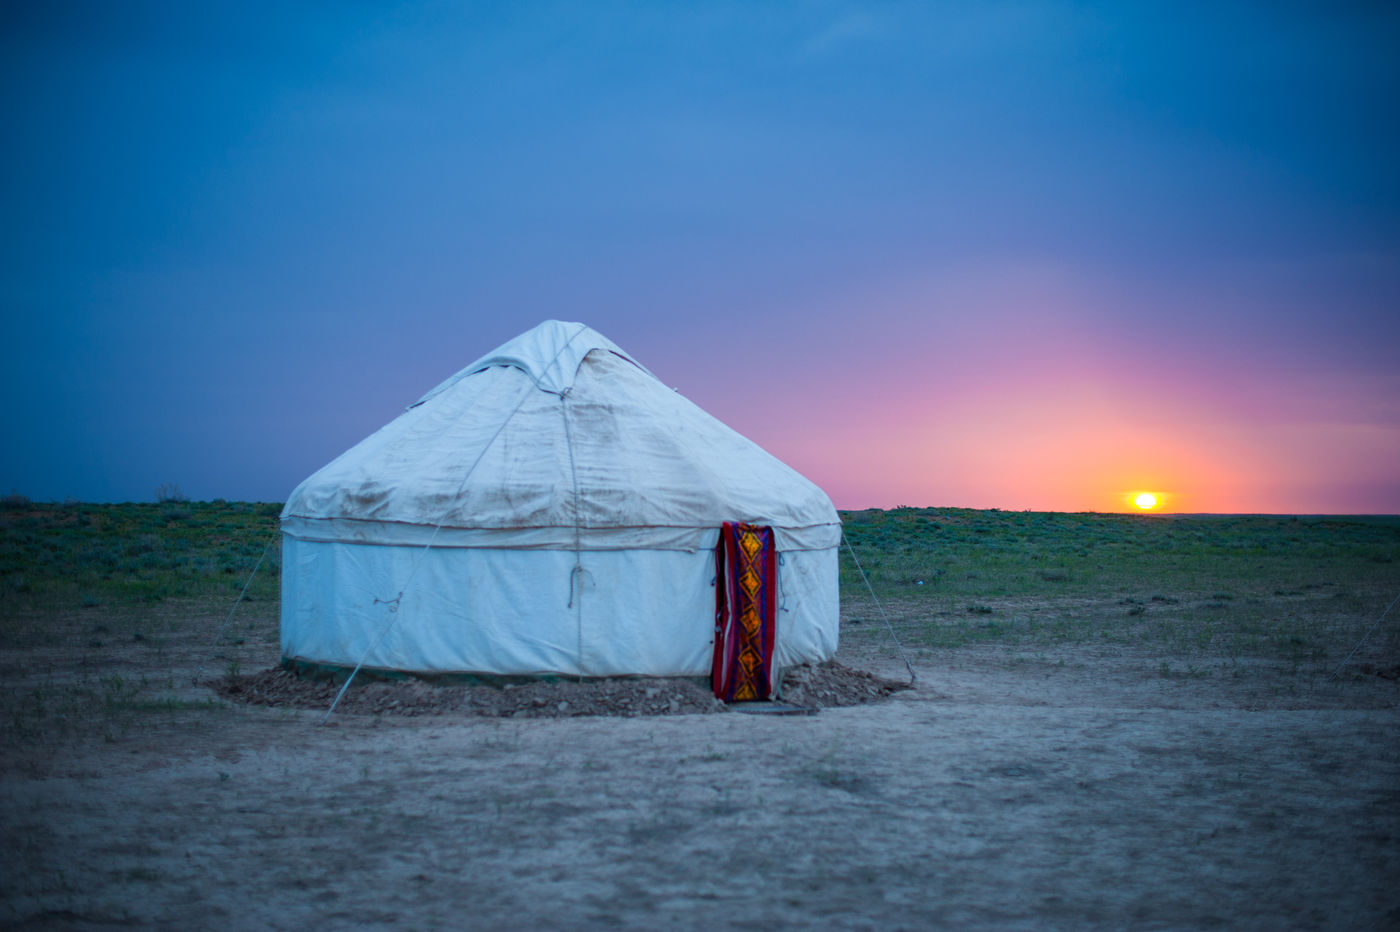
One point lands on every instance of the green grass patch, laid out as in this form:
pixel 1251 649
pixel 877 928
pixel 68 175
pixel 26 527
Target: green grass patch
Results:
pixel 1296 589
pixel 118 558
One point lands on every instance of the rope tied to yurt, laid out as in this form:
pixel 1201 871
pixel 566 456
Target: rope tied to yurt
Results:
pixel 1369 632
pixel 888 627
pixel 396 602
pixel 214 642
pixel 578 574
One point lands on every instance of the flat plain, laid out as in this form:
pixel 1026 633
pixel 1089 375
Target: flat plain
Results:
pixel 1118 721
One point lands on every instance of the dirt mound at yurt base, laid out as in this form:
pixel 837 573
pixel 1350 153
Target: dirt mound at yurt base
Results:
pixel 806 686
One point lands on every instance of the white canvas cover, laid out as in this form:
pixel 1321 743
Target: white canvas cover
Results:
pixel 551 508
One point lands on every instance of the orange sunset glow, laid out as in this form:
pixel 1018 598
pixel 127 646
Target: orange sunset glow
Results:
pixel 1018 387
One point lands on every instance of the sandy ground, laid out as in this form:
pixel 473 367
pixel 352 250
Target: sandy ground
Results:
pixel 1054 792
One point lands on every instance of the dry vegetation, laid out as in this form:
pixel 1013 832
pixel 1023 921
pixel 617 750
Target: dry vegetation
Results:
pixel 1120 721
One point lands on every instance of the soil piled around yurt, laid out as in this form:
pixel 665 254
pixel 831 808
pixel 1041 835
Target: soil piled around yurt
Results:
pixel 805 688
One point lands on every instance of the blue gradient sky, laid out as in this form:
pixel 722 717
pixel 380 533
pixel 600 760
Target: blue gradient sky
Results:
pixel 1017 255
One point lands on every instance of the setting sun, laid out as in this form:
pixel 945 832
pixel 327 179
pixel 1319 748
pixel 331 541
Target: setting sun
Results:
pixel 1146 501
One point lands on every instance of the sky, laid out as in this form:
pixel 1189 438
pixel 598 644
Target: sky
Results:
pixel 1018 255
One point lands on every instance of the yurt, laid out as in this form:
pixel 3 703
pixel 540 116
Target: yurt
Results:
pixel 554 508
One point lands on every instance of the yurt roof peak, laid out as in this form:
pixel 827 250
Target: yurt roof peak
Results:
pixel 550 354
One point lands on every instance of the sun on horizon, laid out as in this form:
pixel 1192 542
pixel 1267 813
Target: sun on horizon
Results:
pixel 1146 501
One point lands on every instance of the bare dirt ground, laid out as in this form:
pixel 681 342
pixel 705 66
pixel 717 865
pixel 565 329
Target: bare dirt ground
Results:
pixel 1059 789
pixel 805 689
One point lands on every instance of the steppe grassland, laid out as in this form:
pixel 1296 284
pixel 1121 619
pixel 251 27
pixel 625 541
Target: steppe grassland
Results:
pixel 106 611
pixel 1248 588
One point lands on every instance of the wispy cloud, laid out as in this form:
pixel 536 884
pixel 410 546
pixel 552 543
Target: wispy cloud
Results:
pixel 850 28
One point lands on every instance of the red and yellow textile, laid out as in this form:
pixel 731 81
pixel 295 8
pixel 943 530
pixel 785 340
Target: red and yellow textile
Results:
pixel 746 612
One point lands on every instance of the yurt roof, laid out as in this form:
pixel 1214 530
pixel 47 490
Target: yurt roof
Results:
pixel 556 439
